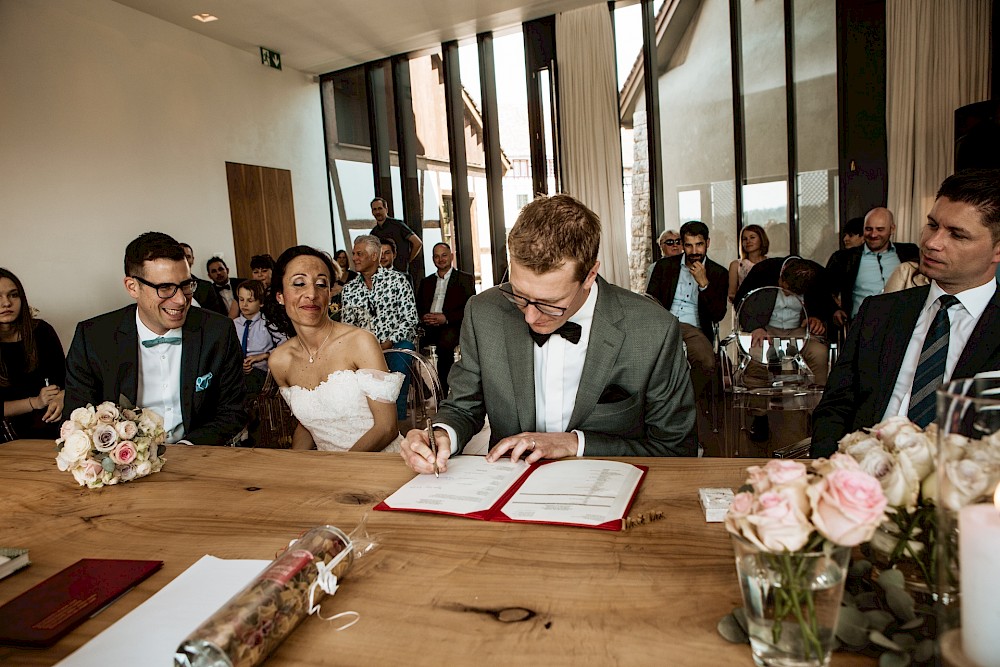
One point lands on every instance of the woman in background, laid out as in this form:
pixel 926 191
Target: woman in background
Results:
pixel 753 248
pixel 32 366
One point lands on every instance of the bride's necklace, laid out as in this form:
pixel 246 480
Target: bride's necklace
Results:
pixel 313 355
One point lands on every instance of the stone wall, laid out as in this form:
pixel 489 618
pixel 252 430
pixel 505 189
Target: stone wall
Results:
pixel 642 245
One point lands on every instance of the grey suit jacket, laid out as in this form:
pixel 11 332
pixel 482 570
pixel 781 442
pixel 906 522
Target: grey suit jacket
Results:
pixel 635 396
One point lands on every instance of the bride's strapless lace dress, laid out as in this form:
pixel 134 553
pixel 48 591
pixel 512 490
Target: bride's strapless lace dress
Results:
pixel 336 412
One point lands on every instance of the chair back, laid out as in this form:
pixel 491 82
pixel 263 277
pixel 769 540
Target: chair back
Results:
pixel 425 385
pixel 771 332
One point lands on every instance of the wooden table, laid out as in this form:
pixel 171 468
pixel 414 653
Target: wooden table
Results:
pixel 438 590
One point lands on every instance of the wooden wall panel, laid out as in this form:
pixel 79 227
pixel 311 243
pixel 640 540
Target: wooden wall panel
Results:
pixel 262 211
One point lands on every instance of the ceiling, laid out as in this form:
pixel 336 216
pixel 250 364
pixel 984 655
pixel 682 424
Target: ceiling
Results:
pixel 319 36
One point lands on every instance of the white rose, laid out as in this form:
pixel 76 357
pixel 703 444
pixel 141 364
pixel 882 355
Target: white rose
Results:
pixel 892 427
pixel 859 448
pixel 929 487
pixel 964 481
pixel 107 412
pixel 900 490
pixel 918 450
pixel 83 416
pixel 852 439
pixel 76 447
pixel 143 468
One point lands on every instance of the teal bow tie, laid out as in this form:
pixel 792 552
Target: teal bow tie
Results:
pixel 176 340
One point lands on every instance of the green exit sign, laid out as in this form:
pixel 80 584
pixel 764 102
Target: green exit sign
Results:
pixel 270 58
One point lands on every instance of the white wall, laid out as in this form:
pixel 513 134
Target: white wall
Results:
pixel 113 123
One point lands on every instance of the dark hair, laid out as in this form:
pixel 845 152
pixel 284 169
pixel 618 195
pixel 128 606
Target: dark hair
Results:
pixel 854 227
pixel 391 243
pixel 338 253
pixel 148 247
pixel 799 274
pixel 261 262
pixel 384 202
pixel 213 260
pixel 255 287
pixel 185 245
pixel 979 188
pixel 694 228
pixel 24 325
pixel 765 243
pixel 274 312
pixel 551 231
pixel 441 243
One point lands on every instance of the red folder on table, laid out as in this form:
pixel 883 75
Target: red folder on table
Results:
pixel 42 615
pixel 591 493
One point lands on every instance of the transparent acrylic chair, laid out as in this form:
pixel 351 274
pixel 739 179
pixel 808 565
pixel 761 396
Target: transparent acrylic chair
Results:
pixel 771 388
pixel 425 387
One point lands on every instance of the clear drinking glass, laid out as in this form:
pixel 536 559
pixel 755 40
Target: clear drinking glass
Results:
pixel 792 600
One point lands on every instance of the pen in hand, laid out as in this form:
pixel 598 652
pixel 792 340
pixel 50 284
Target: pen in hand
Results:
pixel 432 441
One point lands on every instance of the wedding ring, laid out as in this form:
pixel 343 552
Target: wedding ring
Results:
pixel 533 444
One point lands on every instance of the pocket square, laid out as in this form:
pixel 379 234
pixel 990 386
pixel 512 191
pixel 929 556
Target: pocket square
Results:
pixel 613 394
pixel 201 384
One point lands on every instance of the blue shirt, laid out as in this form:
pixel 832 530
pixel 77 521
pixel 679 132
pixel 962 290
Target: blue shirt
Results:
pixel 685 303
pixel 259 338
pixel 874 269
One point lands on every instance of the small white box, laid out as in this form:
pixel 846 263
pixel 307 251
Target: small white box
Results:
pixel 716 503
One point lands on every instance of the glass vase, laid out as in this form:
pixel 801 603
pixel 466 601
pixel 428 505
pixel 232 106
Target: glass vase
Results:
pixel 792 600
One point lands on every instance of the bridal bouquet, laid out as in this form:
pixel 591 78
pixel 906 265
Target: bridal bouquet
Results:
pixel 793 528
pixel 110 444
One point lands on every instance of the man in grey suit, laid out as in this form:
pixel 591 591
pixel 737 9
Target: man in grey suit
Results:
pixel 562 362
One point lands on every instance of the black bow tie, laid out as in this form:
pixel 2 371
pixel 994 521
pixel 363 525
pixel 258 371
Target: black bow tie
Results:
pixel 570 331
pixel 219 288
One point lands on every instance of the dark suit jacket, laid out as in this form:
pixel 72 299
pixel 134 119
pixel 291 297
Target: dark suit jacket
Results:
pixel 208 298
pixel 103 362
pixel 712 301
pixel 842 270
pixel 818 300
pixel 461 288
pixel 635 396
pixel 861 382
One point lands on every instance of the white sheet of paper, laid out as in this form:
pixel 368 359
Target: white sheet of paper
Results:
pixel 589 492
pixel 151 633
pixel 469 485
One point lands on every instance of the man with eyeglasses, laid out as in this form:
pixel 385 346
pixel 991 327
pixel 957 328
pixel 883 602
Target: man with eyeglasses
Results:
pixel 184 364
pixel 562 362
pixel 860 272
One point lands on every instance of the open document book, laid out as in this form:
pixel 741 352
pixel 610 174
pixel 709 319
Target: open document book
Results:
pixel 577 492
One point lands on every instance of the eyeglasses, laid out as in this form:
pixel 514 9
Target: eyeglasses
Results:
pixel 522 303
pixel 670 242
pixel 167 290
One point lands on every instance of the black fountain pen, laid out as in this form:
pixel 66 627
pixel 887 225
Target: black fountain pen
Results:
pixel 432 440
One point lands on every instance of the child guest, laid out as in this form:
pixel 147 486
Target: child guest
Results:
pixel 256 339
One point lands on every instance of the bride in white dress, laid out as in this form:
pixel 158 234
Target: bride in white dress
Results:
pixel 333 376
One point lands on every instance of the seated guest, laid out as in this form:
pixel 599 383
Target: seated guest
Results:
pixel 795 276
pixel 903 346
pixel 32 366
pixel 905 276
pixel 854 233
pixel 333 376
pixel 693 288
pixel 225 286
pixel 182 363
pixel 346 272
pixel 753 248
pixel 860 272
pixel 388 255
pixel 562 362
pixel 441 300
pixel 669 242
pixel 381 301
pixel 204 295
pixel 261 267
pixel 256 339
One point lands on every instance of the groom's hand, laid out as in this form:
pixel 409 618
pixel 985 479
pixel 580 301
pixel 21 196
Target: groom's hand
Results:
pixel 535 447
pixel 416 450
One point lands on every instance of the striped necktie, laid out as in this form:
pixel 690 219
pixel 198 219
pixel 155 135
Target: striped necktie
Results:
pixel 930 367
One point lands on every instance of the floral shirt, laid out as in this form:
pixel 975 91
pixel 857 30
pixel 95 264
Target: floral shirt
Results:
pixel 387 309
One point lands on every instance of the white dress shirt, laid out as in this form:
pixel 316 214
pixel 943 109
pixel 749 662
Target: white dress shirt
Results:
pixel 159 382
pixel 962 318
pixel 440 289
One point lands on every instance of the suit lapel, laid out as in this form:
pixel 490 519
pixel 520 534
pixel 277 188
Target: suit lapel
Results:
pixel 521 362
pixel 981 347
pixel 127 350
pixel 606 341
pixel 190 354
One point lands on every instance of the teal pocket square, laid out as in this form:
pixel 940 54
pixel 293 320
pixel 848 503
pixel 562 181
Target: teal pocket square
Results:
pixel 201 384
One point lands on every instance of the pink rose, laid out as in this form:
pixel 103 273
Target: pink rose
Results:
pixel 124 453
pixel 739 510
pixel 779 524
pixel 785 471
pixel 88 473
pixel 105 438
pixel 839 461
pixel 127 430
pixel 847 506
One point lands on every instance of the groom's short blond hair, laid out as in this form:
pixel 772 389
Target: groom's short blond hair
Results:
pixel 551 231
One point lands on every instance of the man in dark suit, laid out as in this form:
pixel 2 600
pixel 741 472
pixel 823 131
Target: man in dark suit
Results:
pixel 857 273
pixel 562 362
pixel 694 289
pixel 903 345
pixel 183 363
pixel 441 299
pixel 204 292
pixel 227 288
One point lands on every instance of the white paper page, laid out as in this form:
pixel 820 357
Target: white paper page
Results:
pixel 470 485
pixel 589 492
pixel 150 633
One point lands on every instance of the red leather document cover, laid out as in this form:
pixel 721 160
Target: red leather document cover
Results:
pixel 42 615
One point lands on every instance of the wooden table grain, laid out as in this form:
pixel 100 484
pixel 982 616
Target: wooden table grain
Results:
pixel 438 590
